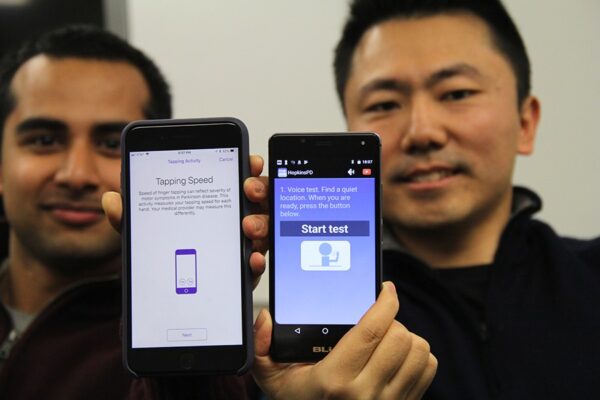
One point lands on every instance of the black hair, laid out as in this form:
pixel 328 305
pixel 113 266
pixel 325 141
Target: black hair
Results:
pixel 364 14
pixel 86 42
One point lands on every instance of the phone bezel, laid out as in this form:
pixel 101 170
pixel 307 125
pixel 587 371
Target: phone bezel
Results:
pixel 286 345
pixel 181 134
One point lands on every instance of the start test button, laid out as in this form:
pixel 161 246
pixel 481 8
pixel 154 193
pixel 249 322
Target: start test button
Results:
pixel 181 335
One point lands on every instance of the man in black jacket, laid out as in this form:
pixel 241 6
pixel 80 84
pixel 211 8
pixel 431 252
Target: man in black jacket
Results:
pixel 509 308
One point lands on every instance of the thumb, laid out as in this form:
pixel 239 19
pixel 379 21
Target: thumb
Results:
pixel 267 374
pixel 262 333
pixel 113 208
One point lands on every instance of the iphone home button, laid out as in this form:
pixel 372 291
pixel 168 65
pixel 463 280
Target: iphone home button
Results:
pixel 186 361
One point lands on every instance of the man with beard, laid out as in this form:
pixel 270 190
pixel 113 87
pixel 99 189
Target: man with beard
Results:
pixel 64 99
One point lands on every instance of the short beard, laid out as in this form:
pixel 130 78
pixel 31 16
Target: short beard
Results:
pixel 72 261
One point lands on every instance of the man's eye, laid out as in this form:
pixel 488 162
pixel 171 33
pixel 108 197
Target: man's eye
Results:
pixel 110 144
pixel 42 141
pixel 458 94
pixel 382 106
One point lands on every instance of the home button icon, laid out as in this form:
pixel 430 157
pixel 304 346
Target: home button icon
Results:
pixel 186 361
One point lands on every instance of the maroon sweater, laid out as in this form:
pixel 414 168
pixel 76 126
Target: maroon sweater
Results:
pixel 72 350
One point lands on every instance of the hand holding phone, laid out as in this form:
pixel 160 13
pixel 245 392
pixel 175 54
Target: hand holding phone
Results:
pixel 378 358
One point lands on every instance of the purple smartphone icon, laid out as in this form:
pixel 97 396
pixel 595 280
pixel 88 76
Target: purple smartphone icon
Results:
pixel 185 271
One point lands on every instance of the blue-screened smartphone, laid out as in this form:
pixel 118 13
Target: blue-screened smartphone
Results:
pixel 325 238
pixel 187 286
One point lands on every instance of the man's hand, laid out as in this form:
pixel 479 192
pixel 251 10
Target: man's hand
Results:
pixel 255 226
pixel 378 358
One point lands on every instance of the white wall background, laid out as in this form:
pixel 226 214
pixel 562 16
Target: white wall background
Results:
pixel 268 62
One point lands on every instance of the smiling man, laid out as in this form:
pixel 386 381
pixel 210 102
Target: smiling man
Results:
pixel 508 307
pixel 445 103
pixel 64 99
pixel 60 151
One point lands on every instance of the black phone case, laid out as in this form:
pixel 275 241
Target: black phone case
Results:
pixel 247 247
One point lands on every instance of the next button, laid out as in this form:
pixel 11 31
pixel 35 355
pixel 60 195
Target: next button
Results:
pixel 179 335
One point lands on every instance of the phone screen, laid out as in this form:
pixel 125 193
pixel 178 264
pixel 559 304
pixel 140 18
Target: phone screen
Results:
pixel 185 249
pixel 326 233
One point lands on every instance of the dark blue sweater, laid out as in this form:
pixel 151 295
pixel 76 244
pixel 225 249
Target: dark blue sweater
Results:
pixel 540 336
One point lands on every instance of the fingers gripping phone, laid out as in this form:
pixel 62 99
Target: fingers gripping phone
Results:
pixel 325 239
pixel 187 284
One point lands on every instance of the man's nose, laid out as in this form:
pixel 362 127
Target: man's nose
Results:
pixel 78 170
pixel 425 130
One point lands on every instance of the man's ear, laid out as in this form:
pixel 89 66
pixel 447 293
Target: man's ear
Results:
pixel 1 158
pixel 529 119
pixel 2 131
pixel 1 175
